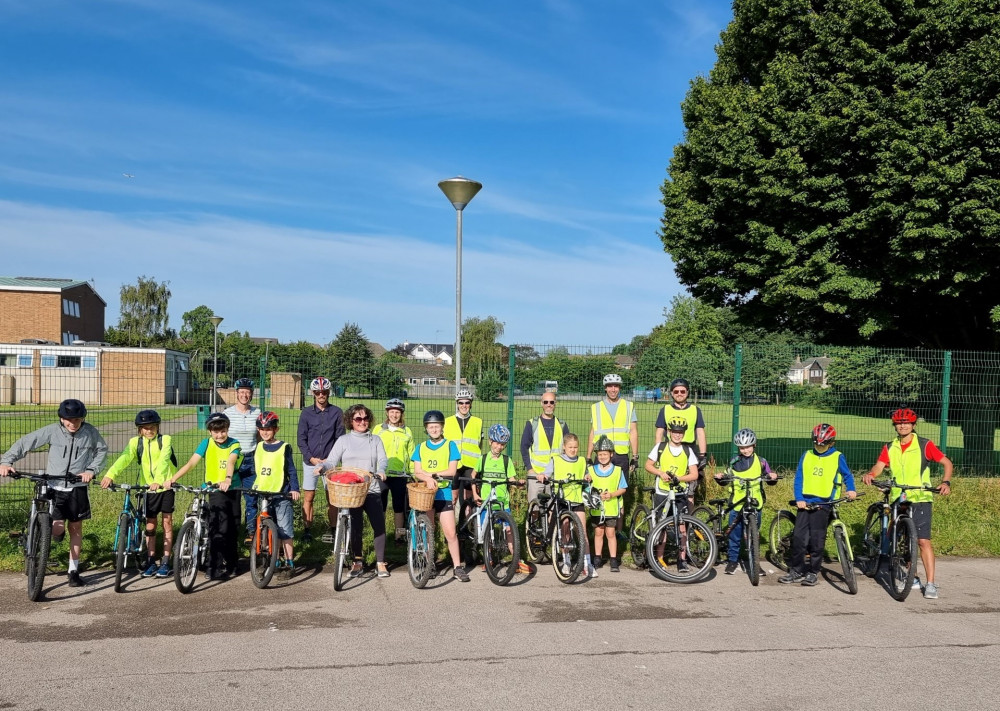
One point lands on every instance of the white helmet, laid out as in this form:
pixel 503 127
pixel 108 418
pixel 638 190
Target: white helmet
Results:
pixel 612 379
pixel 319 384
pixel 464 394
pixel 745 438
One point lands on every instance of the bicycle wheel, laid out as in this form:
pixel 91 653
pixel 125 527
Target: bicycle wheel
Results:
pixel 846 560
pixel 903 558
pixel 779 539
pixel 693 537
pixel 568 547
pixel 753 549
pixel 499 558
pixel 638 533
pixel 186 555
pixel 37 554
pixel 341 542
pixel 702 547
pixel 710 518
pixel 264 553
pixel 420 553
pixel 871 540
pixel 535 539
pixel 121 549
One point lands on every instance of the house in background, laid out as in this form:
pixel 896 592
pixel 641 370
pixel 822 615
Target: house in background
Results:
pixel 811 371
pixel 56 310
pixel 436 353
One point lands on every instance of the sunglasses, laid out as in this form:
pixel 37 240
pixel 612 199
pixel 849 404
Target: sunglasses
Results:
pixel 548 402
pixel 360 419
pixel 679 391
pixel 465 402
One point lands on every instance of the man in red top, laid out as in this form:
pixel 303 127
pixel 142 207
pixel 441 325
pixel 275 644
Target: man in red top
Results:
pixel 908 456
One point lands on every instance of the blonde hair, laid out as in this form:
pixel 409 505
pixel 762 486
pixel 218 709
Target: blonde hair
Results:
pixel 570 437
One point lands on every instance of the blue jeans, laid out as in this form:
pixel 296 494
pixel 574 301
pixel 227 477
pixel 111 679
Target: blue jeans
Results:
pixel 736 535
pixel 247 477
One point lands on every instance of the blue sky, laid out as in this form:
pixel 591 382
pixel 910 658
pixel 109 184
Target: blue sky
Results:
pixel 286 158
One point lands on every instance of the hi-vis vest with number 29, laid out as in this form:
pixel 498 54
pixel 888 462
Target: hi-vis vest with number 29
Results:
pixel 270 467
pixel 435 461
pixel 215 461
pixel 467 440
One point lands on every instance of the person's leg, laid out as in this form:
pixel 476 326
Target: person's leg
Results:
pixel 447 519
pixel 168 536
pixel 308 496
pixel 216 559
pixel 357 532
pixel 151 538
pixel 800 542
pixel 376 517
pixel 599 540
pixel 75 543
pixel 818 521
pixel 232 531
pixel 735 536
pixel 609 532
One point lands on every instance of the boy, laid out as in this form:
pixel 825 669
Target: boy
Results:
pixel 674 464
pixel 157 463
pixel 746 466
pixel 569 466
pixel 439 456
pixel 609 480
pixel 818 480
pixel 222 455
pixel 76 448
pixel 494 465
pixel 274 472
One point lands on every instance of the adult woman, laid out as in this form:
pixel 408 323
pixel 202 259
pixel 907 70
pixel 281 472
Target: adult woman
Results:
pixel 360 449
pixel 398 441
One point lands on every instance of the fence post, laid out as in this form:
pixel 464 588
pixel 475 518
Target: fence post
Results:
pixel 263 374
pixel 510 399
pixel 945 401
pixel 737 372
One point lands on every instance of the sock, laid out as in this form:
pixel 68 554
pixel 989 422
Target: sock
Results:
pixel 73 565
pixel 586 559
pixel 165 560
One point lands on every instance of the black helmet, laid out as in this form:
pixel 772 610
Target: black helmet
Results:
pixel 147 417
pixel 680 381
pixel 217 418
pixel 604 444
pixel 433 416
pixel 243 383
pixel 71 409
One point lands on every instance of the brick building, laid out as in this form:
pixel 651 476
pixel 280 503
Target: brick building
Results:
pixel 57 310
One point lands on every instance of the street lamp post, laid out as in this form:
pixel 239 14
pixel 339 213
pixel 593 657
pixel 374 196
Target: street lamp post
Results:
pixel 263 372
pixel 216 320
pixel 459 192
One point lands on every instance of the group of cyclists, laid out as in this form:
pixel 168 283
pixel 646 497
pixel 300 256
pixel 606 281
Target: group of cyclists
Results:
pixel 242 452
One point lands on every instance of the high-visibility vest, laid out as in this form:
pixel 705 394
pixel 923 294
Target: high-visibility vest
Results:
pixel 215 461
pixel 910 468
pixel 819 475
pixel 755 491
pixel 492 469
pixel 467 439
pixel 676 464
pixel 565 470
pixel 435 461
pixel 689 414
pixel 270 468
pixel 607 482
pixel 398 447
pixel 542 450
pixel 617 428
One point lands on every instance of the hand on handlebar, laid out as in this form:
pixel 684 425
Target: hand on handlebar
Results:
pixel 7 470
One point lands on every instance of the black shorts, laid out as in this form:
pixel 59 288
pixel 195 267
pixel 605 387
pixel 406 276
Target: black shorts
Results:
pixel 921 514
pixel 440 505
pixel 608 521
pixel 72 505
pixel 159 502
pixel 460 486
pixel 680 501
pixel 576 507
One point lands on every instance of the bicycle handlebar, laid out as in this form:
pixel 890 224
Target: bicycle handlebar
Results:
pixel 124 487
pixel 560 482
pixel 491 482
pixel 68 478
pixel 893 484
pixel 207 488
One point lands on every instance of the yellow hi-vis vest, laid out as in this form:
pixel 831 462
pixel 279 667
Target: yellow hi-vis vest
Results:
pixel 689 414
pixel 754 491
pixel 467 440
pixel 607 482
pixel 435 461
pixel 617 428
pixel 565 470
pixel 819 475
pixel 215 462
pixel 542 450
pixel 398 445
pixel 270 468
pixel 910 468
pixel 676 464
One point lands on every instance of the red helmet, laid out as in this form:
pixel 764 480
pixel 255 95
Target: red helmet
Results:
pixel 266 420
pixel 824 434
pixel 904 414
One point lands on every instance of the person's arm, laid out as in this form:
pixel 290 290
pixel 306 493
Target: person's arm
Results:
pixel 527 439
pixel 948 473
pixel 590 443
pixel 799 497
pixel 127 456
pixel 661 426
pixel 334 459
pixel 30 441
pixel 882 463
pixel 692 469
pixel 230 470
pixel 193 461
pixel 633 440
pixel 97 462
pixel 302 438
pixel 381 459
pixel 292 473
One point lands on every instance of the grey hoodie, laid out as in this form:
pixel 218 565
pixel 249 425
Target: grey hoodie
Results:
pixel 84 451
pixel 360 450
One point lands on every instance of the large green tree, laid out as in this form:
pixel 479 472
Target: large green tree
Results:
pixel 143 314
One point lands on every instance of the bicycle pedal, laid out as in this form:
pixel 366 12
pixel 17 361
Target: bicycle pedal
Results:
pixel 326 538
pixel 14 534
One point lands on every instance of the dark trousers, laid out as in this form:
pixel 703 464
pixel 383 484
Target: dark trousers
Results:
pixel 223 524
pixel 249 501
pixel 809 537
pixel 376 517
pixel 400 501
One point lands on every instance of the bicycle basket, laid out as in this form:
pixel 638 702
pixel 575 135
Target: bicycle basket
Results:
pixel 420 497
pixel 347 496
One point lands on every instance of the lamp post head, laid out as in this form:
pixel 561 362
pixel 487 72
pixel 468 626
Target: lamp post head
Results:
pixel 215 320
pixel 460 191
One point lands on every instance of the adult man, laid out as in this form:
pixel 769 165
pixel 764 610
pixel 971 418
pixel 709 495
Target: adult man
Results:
pixel 465 430
pixel 541 440
pixel 680 407
pixel 909 457
pixel 319 427
pixel 615 417
pixel 243 428
pixel 76 449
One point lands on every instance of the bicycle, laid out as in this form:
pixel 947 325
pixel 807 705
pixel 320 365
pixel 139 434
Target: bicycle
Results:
pixel 664 534
pixel 779 538
pixel 499 558
pixel 551 521
pixel 265 548
pixel 419 539
pixel 36 537
pixel 130 535
pixel 345 497
pixel 192 544
pixel 891 534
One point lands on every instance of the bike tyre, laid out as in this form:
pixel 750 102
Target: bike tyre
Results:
pixel 753 550
pixel 186 556
pixel 264 553
pixel 38 559
pixel 341 542
pixel 779 539
pixel 535 540
pixel 699 565
pixel 710 517
pixel 500 561
pixel 575 548
pixel 871 540
pixel 903 558
pixel 420 552
pixel 638 534
pixel 121 549
pixel 846 561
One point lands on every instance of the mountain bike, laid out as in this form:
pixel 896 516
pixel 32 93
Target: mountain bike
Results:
pixel 551 523
pixel 191 546
pixel 669 538
pixel 35 538
pixel 890 534
pixel 130 536
pixel 779 538
pixel 265 548
pixel 489 525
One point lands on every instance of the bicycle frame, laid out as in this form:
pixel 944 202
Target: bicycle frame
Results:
pixel 471 523
pixel 135 515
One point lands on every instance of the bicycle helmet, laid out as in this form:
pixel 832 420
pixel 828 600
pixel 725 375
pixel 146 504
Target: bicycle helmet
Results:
pixel 216 419
pixel 612 379
pixel 680 381
pixel 432 416
pixel 745 438
pixel 396 404
pixel 147 417
pixel 464 394
pixel 267 420
pixel 604 444
pixel 71 409
pixel 824 434
pixel 499 433
pixel 677 424
pixel 319 384
pixel 904 414
pixel 591 497
pixel 243 383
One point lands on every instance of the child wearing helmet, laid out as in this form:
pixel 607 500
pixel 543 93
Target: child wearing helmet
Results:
pixel 465 430
pixel 496 465
pixel 819 478
pixel 674 463
pixel 910 466
pixel 154 453
pixel 615 418
pixel 569 466
pixel 222 455
pixel 275 473
pixel 746 465
pixel 609 480
pixel 398 442
pixel 435 463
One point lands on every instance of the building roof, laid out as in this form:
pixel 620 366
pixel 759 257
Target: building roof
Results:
pixel 44 284
pixel 413 369
pixel 823 362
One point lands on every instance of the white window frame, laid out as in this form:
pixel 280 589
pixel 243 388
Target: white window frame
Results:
pixel 88 362
pixel 25 360
pixel 49 361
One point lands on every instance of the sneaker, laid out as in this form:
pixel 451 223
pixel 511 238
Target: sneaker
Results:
pixel 59 538
pixel 564 570
pixel 524 569
pixel 383 571
pixel 598 562
pixel 930 591
pixel 593 571
pixel 307 536
pixel 249 539
pixel 356 569
pixel 793 576
pixel 150 570
pixel 916 584
pixel 461 574
pixel 731 567
pixel 75 581
pixel 682 566
pixel 810 579
pixel 164 570
pixel 614 566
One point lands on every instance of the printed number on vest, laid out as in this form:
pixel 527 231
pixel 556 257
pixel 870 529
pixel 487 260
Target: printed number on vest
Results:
pixel 432 463
pixel 265 471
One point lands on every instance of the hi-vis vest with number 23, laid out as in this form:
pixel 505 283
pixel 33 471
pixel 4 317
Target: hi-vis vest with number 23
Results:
pixel 215 462
pixel 270 467
pixel 467 440
pixel 617 428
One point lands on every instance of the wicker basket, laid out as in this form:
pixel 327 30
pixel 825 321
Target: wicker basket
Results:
pixel 347 496
pixel 421 498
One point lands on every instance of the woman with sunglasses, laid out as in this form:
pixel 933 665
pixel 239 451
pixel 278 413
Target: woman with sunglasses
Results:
pixel 360 449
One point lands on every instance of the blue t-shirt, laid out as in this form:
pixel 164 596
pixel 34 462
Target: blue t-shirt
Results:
pixel 622 484
pixel 844 472
pixel 443 494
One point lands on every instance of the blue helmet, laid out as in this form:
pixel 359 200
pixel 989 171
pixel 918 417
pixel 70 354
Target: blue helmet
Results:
pixel 499 433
